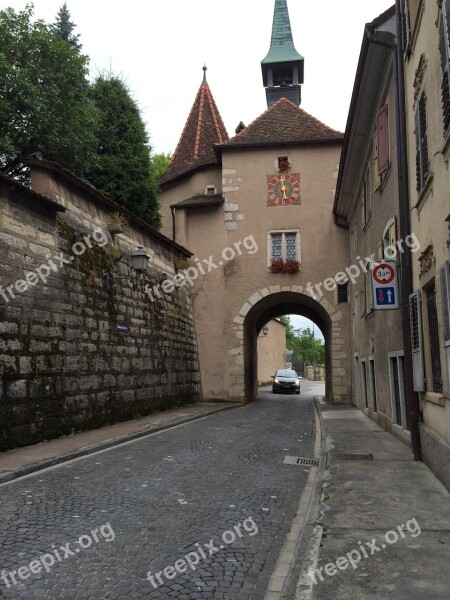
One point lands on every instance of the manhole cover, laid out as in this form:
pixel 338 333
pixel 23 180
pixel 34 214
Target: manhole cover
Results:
pixel 300 460
pixel 350 456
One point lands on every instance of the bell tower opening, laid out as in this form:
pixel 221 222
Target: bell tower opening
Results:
pixel 283 67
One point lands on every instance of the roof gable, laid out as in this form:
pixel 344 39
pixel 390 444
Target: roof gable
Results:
pixel 284 122
pixel 204 128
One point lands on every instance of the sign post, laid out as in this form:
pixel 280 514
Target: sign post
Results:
pixel 385 285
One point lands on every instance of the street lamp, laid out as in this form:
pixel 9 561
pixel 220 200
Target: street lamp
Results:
pixel 139 261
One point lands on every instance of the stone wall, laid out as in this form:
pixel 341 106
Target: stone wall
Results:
pixel 77 353
pixel 271 351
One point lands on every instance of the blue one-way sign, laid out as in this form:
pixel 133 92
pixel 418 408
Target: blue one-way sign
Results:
pixel 384 285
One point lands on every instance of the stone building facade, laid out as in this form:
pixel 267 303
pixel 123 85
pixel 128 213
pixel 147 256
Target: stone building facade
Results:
pixel 264 196
pixel 367 201
pixel 80 347
pixel 426 45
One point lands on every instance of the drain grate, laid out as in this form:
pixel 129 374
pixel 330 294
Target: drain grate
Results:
pixel 350 456
pixel 300 460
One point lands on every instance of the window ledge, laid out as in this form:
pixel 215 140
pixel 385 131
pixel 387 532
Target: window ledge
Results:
pixel 425 192
pixel 435 398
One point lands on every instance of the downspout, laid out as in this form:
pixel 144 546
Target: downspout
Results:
pixel 405 225
pixel 172 210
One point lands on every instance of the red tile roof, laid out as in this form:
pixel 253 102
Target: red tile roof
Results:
pixel 203 129
pixel 284 122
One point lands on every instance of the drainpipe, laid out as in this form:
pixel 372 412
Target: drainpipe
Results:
pixel 172 210
pixel 405 225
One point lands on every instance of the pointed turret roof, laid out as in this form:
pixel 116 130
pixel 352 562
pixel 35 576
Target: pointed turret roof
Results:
pixel 282 47
pixel 204 128
pixel 284 123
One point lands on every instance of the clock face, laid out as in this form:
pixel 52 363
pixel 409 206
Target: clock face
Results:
pixel 283 189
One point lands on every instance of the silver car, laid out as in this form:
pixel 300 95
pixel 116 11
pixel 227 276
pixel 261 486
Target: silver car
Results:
pixel 286 380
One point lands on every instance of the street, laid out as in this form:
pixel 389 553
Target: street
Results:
pixel 198 511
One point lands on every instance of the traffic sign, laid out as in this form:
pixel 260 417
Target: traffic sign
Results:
pixel 384 285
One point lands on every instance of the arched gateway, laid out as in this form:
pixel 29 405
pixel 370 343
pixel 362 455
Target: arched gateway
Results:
pixel 292 300
pixel 256 211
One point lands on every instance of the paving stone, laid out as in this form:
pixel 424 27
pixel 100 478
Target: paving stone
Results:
pixel 201 480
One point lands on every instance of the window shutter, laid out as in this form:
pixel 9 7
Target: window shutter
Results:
pixel 383 139
pixel 445 287
pixel 416 341
pixel 422 162
pixel 393 232
pixel 376 179
pixel 444 46
pixel 406 27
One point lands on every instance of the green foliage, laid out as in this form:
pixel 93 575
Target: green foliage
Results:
pixel 123 170
pixel 303 343
pixel 159 165
pixel 44 99
pixel 63 28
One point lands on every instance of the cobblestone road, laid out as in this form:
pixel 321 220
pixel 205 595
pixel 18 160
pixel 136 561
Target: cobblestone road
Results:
pixel 164 497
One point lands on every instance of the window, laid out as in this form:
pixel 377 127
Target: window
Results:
pixel 389 249
pixel 406 27
pixel 284 245
pixel 422 161
pixel 434 339
pixel 210 190
pixel 400 408
pixel 373 388
pixel 445 287
pixel 444 46
pixel 383 140
pixel 376 179
pixel 342 293
pixel 415 319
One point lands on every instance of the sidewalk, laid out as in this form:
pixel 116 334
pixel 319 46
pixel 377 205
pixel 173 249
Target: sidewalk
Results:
pixel 22 461
pixel 353 542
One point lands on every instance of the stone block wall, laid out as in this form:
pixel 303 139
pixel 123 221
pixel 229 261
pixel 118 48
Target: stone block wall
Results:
pixel 76 353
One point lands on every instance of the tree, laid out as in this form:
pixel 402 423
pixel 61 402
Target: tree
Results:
pixel 43 99
pixel 159 165
pixel 305 345
pixel 63 28
pixel 123 171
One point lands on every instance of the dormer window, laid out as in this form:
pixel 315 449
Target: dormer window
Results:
pixel 210 190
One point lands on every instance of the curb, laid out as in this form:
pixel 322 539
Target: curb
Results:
pixel 56 460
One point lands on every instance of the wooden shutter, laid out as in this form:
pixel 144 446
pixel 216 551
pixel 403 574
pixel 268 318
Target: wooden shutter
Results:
pixel 383 139
pixel 445 287
pixel 416 341
pixel 444 46
pixel 422 162
pixel 406 27
pixel 376 179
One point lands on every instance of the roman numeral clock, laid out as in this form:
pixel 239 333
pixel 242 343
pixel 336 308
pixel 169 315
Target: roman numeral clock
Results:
pixel 283 189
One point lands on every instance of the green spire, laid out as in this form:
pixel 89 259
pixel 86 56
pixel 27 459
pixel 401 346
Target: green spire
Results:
pixel 282 47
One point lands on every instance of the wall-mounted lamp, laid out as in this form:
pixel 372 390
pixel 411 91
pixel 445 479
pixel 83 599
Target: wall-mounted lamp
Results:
pixel 264 331
pixel 139 261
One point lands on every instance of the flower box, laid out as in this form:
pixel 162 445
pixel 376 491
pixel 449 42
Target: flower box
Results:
pixel 285 266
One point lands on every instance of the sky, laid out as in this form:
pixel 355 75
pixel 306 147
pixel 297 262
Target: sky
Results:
pixel 159 49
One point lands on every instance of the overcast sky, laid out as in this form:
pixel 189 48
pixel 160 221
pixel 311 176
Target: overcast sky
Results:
pixel 159 48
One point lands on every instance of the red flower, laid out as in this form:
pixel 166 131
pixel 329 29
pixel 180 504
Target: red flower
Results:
pixel 284 266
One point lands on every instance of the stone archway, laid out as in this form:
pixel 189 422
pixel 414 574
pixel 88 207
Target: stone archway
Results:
pixel 268 303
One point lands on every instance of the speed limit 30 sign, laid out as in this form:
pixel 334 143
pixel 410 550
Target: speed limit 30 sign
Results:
pixel 385 285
